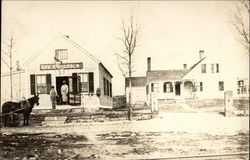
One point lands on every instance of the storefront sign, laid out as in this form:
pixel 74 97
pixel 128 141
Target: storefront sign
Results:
pixel 61 66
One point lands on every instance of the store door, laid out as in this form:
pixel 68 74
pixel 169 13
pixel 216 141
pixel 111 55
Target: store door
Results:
pixel 74 90
pixel 59 83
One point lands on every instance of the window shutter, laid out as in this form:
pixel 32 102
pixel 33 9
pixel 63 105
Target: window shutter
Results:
pixel 201 86
pixel 217 68
pixel 32 84
pixel 146 89
pixel 48 82
pixel 165 87
pixel 104 87
pixel 91 82
pixel 74 82
pixel 110 89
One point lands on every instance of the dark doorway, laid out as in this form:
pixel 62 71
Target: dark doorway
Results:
pixel 177 88
pixel 59 83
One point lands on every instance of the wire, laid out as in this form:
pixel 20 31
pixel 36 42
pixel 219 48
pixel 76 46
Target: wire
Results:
pixel 5 62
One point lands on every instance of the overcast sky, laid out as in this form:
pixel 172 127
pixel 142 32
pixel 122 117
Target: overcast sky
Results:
pixel 173 32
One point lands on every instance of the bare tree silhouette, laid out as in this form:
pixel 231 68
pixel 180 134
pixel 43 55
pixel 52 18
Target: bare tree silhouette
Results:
pixel 130 35
pixel 239 18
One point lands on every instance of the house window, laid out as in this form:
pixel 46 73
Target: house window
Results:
pixel 84 82
pixel 215 68
pixel 198 86
pixel 41 84
pixel 156 87
pixel 242 87
pixel 221 86
pixel 212 68
pixel 203 68
pixel 152 87
pixel 167 87
pixel 61 54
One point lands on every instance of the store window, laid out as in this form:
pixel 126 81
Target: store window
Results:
pixel 61 54
pixel 107 87
pixel 84 82
pixel 41 84
pixel 167 87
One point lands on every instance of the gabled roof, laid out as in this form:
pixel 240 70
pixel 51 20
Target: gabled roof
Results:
pixel 136 81
pixel 193 66
pixel 73 44
pixel 165 75
pixel 105 69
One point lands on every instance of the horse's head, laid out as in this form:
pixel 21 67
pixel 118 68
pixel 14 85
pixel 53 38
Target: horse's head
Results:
pixel 36 99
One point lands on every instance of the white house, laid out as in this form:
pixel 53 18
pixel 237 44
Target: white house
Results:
pixel 65 60
pixel 203 80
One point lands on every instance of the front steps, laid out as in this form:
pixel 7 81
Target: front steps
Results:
pixel 51 117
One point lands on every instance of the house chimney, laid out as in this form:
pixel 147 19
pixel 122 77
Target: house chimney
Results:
pixel 184 66
pixel 201 54
pixel 149 63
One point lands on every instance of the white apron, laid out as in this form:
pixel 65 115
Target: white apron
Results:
pixel 64 92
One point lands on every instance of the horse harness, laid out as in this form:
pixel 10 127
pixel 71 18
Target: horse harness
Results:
pixel 23 104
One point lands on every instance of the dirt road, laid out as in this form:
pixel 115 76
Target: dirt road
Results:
pixel 169 135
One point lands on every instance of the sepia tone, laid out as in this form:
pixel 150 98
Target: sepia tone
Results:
pixel 124 80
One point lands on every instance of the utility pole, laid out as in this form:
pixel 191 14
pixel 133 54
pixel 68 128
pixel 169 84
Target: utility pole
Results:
pixel 10 54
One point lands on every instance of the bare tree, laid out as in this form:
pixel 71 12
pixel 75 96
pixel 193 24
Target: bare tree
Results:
pixel 239 18
pixel 10 44
pixel 130 35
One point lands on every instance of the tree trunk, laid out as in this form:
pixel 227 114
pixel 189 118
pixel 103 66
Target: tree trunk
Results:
pixel 129 101
pixel 130 92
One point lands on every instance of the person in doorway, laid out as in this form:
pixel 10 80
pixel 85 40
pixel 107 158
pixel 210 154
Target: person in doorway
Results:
pixel 64 92
pixel 53 95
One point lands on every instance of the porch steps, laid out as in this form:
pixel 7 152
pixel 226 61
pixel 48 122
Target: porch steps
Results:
pixel 60 117
pixel 53 121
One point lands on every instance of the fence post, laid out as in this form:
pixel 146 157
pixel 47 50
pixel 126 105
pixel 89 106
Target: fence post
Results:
pixel 228 103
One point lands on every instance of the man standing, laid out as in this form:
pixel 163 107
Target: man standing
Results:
pixel 64 92
pixel 53 95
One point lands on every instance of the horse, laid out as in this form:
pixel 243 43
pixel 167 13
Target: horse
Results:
pixel 25 107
